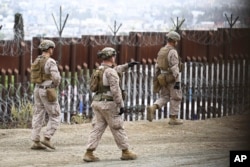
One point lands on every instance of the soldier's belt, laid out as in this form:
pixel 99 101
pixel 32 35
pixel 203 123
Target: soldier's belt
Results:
pixel 165 72
pixel 45 86
pixel 107 100
pixel 101 97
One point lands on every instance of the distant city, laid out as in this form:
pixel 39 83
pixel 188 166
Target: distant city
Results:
pixel 102 17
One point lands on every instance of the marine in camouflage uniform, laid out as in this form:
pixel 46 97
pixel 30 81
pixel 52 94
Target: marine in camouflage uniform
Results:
pixel 41 103
pixel 168 64
pixel 108 107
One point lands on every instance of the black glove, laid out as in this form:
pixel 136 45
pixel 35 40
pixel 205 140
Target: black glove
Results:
pixel 131 64
pixel 121 111
pixel 177 85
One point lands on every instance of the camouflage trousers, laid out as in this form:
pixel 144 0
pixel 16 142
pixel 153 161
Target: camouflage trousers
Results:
pixel 42 106
pixel 169 94
pixel 107 114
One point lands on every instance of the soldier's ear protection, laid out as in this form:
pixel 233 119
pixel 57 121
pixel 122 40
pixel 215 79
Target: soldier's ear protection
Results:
pixel 176 43
pixel 99 54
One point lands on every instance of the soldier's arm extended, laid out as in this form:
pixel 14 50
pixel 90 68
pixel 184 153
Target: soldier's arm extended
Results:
pixel 174 64
pixel 124 67
pixel 121 68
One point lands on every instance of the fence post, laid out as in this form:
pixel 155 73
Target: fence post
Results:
pixel 16 76
pixel 90 53
pixel 9 85
pixel 3 77
pixel 22 64
pixel 215 88
pixel 86 74
pixel 246 83
pixel 247 75
pixel 73 62
pixel 231 76
pixel 220 92
pixel 138 46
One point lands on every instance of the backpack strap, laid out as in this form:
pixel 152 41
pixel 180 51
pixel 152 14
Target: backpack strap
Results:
pixel 101 87
pixel 43 60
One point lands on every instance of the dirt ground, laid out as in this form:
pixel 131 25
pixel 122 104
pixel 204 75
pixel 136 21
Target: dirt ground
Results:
pixel 157 144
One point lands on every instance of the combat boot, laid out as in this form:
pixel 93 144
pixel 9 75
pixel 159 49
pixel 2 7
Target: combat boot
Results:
pixel 89 156
pixel 47 143
pixel 151 112
pixel 128 155
pixel 37 146
pixel 174 120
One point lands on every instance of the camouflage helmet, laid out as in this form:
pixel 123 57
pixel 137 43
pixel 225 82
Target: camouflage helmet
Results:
pixel 46 44
pixel 174 36
pixel 106 53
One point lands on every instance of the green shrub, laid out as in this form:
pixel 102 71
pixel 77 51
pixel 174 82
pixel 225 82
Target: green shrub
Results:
pixel 23 117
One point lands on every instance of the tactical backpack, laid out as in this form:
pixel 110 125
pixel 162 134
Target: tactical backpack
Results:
pixel 162 59
pixel 96 80
pixel 96 85
pixel 37 70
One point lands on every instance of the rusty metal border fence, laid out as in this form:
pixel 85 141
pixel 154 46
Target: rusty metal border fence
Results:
pixel 137 46
pixel 215 81
pixel 210 90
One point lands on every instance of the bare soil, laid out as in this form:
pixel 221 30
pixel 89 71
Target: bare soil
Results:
pixel 157 144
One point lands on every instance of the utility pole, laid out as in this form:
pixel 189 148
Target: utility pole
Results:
pixel 19 38
pixel 60 30
pixel 178 28
pixel 18 27
pixel 178 24
pixel 231 23
pixel 114 31
pixel 114 39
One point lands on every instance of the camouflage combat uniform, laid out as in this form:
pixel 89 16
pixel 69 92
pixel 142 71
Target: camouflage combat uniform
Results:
pixel 106 112
pixel 42 105
pixel 168 68
pixel 168 93
pixel 108 106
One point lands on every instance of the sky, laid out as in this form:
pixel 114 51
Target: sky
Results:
pixel 41 18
